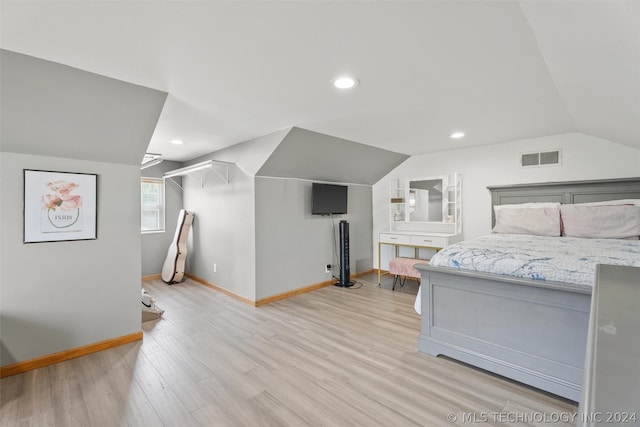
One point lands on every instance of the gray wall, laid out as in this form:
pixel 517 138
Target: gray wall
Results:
pixel 293 246
pixel 62 295
pixel 259 231
pixel 155 245
pixel 57 296
pixel 223 231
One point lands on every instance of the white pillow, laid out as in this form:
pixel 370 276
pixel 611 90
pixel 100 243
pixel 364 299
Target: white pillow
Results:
pixel 604 222
pixel 537 221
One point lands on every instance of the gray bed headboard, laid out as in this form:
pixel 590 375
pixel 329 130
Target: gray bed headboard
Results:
pixel 565 192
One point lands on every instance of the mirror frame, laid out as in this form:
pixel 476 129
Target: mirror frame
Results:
pixel 445 184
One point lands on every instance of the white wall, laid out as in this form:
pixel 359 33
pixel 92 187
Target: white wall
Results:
pixel 583 158
pixel 62 295
pixel 293 246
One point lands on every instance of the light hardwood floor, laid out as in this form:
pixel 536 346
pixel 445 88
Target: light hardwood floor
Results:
pixel 331 357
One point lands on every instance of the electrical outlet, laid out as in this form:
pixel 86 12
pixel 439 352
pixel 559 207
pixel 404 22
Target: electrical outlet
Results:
pixel 327 268
pixel 215 267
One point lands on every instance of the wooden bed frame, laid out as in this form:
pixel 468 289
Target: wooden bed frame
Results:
pixel 531 331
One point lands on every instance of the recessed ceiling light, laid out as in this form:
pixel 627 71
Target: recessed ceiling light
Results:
pixel 457 135
pixel 345 82
pixel 177 141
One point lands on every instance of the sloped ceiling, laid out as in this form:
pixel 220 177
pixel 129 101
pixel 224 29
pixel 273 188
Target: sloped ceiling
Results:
pixel 315 156
pixel 54 110
pixel 236 70
pixel 303 154
pixel 249 155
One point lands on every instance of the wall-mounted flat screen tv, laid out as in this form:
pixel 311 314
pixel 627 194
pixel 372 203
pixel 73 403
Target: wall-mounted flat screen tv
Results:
pixel 328 199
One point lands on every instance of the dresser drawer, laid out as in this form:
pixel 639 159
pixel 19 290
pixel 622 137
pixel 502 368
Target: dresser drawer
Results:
pixel 397 239
pixel 430 241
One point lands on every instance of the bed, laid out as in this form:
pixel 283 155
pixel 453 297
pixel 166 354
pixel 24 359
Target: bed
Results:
pixel 531 328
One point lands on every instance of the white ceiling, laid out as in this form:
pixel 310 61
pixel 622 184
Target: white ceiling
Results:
pixel 235 70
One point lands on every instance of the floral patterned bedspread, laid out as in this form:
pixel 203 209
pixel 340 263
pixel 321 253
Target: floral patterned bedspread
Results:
pixel 559 259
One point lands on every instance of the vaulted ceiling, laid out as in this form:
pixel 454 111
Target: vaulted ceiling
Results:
pixel 236 70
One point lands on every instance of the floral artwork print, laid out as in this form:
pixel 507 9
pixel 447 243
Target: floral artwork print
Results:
pixel 59 206
pixel 62 207
pixel 62 196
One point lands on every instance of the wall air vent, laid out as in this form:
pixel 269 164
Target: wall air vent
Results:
pixel 546 158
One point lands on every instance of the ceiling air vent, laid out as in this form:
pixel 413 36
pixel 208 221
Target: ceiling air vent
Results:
pixel 546 158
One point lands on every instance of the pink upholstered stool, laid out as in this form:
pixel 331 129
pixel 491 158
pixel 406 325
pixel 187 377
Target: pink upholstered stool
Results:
pixel 402 268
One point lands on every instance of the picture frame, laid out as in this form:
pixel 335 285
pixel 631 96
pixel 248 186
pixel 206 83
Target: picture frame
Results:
pixel 59 206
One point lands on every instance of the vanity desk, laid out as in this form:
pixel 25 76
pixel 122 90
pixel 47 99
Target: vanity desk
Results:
pixel 415 240
pixel 424 213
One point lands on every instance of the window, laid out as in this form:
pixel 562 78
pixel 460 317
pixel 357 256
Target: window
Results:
pixel 152 204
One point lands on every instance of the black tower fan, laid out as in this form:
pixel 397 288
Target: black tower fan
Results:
pixel 345 270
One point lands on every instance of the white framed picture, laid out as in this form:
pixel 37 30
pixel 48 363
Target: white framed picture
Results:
pixel 59 206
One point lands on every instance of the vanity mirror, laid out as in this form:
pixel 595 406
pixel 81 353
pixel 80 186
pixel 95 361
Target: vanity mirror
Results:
pixel 432 199
pixel 426 199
